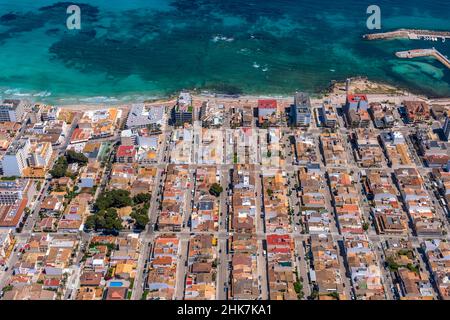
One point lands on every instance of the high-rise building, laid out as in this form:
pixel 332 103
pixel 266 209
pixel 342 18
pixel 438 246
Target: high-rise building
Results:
pixel 356 110
pixel 356 102
pixel 183 110
pixel 181 115
pixel 15 158
pixel 301 110
pixel 12 110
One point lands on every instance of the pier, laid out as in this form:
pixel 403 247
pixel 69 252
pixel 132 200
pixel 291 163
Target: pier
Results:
pixel 424 53
pixel 411 34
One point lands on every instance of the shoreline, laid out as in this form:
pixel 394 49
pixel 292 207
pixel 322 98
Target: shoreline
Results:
pixel 363 85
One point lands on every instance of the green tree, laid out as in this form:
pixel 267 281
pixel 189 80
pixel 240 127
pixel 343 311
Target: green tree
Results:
pixel 113 199
pixel 412 267
pixel 76 157
pixel 314 294
pixel 215 189
pixel 141 198
pixel 7 288
pixel 107 221
pixel 392 265
pixel 60 168
pixel 112 220
pixel 90 222
pixel 141 219
pixel 12 178
pixel 365 226
pixel 334 294
pixel 145 294
pixel 298 287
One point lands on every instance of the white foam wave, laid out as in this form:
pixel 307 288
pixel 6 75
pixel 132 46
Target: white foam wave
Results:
pixel 219 37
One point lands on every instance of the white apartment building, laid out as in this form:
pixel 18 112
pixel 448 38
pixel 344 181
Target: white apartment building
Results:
pixel 12 110
pixel 15 159
pixel 41 154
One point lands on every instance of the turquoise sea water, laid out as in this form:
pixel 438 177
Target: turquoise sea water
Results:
pixel 137 49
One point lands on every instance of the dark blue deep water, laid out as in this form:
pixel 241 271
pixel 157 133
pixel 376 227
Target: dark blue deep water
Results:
pixel 134 49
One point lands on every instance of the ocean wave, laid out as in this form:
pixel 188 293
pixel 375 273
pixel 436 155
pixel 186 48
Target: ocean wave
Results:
pixel 42 94
pixel 16 92
pixel 219 37
pixel 104 99
pixel 244 51
pixel 99 99
pixel 67 100
pixel 264 68
pixel 19 93
pixel 47 96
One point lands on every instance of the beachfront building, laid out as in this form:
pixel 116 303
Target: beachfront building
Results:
pixel 181 115
pixel 416 111
pixel 267 111
pixel 12 110
pixel 141 116
pixel 356 110
pixel 301 110
pixel 183 111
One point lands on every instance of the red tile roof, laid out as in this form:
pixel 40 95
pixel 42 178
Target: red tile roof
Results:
pixel 275 239
pixel 356 97
pixel 10 215
pixel 80 135
pixel 116 293
pixel 126 151
pixel 51 283
pixel 267 104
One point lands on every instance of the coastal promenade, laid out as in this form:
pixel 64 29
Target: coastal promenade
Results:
pixel 424 53
pixel 411 34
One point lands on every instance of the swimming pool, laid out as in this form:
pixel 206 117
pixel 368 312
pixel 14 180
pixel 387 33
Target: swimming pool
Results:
pixel 116 284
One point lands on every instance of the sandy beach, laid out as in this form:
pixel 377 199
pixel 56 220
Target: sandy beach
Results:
pixel 375 91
